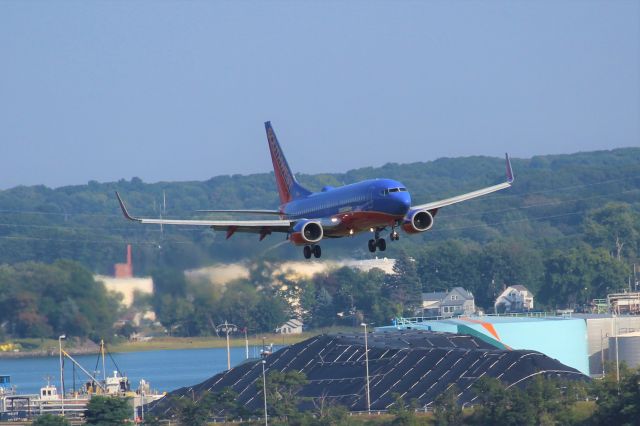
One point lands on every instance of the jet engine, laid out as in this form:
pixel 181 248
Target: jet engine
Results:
pixel 417 221
pixel 306 232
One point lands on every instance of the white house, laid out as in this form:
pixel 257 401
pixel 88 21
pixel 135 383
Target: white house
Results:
pixel 458 301
pixel 515 298
pixel 293 326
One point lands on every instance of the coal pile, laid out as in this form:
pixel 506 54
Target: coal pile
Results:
pixel 416 364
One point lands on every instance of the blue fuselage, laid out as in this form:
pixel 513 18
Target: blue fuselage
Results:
pixel 359 206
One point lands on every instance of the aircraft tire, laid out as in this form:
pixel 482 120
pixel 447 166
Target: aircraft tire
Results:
pixel 372 246
pixel 307 252
pixel 317 252
pixel 382 244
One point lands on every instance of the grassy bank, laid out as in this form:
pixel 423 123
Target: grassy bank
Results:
pixel 26 347
pixel 165 343
pixel 48 347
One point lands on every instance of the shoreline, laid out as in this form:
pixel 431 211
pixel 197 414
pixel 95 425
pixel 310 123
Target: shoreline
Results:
pixel 49 348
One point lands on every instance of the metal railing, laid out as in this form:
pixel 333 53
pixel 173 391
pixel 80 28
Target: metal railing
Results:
pixel 407 321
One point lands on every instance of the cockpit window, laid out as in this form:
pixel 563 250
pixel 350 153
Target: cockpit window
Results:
pixel 389 190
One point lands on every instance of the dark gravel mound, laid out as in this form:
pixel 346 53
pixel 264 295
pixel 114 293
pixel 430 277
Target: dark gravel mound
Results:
pixel 415 364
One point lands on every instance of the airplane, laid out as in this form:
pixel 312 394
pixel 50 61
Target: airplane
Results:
pixel 306 217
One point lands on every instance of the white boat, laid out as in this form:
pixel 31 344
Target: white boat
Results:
pixel 15 406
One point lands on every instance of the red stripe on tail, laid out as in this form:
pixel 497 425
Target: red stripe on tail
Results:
pixel 284 177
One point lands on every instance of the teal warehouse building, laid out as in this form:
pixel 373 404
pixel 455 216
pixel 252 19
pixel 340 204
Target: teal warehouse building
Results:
pixel 562 338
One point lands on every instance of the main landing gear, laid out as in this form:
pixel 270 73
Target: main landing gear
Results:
pixel 309 250
pixel 378 243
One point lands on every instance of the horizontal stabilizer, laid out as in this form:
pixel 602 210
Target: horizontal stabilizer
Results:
pixel 257 226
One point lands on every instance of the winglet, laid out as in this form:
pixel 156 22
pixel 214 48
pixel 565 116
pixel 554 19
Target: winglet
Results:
pixel 124 209
pixel 510 177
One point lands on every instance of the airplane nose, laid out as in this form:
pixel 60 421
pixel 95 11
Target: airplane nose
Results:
pixel 406 201
pixel 403 202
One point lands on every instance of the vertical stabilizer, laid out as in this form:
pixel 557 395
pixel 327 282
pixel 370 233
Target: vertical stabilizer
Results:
pixel 288 187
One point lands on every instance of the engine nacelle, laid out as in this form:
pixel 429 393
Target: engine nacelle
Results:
pixel 417 221
pixel 306 232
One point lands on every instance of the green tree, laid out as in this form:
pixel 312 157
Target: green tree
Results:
pixel 224 404
pixel 269 313
pixel 40 300
pixel 545 397
pixel 404 287
pixel 555 187
pixel 190 412
pixel 576 276
pixel 107 411
pixel 151 420
pixel 333 415
pixel 404 415
pixel 618 403
pixel 447 410
pixel 484 271
pixel 282 392
pixel 444 265
pixel 50 420
pixel 616 228
pixel 169 297
pixel 324 312
pixel 493 402
pixel 127 329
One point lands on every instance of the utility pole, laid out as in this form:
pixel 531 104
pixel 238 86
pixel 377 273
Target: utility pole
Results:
pixel 142 402
pixel 366 362
pixel 617 359
pixel 226 328
pixel 246 344
pixel 104 370
pixel 60 339
pixel 264 392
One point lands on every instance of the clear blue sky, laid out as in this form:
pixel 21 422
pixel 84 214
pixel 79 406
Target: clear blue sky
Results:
pixel 179 90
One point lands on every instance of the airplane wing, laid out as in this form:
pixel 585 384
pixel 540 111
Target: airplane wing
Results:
pixel 262 227
pixel 269 212
pixel 470 195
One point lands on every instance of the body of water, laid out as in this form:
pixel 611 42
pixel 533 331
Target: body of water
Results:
pixel 165 370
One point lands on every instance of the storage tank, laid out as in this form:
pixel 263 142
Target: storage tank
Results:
pixel 628 347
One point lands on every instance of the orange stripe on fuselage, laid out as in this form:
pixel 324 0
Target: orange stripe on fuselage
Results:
pixel 360 221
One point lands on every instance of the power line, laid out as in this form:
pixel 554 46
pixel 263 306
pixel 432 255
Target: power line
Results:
pixel 481 225
pixel 198 230
pixel 97 241
pixel 546 203
pixel 502 195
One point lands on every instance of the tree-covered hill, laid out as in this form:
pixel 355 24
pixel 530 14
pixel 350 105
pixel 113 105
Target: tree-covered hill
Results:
pixel 549 206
